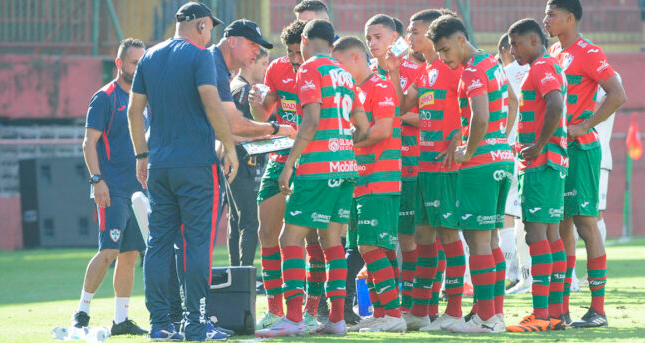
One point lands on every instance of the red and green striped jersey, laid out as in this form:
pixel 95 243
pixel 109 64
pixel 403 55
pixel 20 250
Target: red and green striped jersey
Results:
pixel 439 117
pixel 379 165
pixel 330 154
pixel 281 79
pixel 483 75
pixel 545 76
pixel 408 73
pixel 585 65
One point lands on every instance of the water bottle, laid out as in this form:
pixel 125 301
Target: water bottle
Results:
pixel 75 333
pixel 99 334
pixel 363 296
pixel 59 333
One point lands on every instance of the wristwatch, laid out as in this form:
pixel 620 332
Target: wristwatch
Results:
pixel 94 179
pixel 276 127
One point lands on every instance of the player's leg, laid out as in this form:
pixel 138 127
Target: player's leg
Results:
pixel 500 262
pixel 556 289
pixel 314 280
pixel 408 203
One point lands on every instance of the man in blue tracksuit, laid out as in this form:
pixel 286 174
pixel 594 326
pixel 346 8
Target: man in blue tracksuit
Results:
pixel 178 165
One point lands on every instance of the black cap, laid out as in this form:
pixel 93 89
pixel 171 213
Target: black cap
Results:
pixel 247 29
pixel 194 10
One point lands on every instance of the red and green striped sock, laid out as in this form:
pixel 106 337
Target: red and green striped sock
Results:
pixel 433 309
pixel 557 278
pixel 571 265
pixel 455 269
pixel 315 278
pixel 597 270
pixel 425 274
pixel 500 280
pixel 391 256
pixel 379 311
pixel 383 275
pixel 541 269
pixel 408 269
pixel 293 274
pixel 272 278
pixel 482 272
pixel 336 281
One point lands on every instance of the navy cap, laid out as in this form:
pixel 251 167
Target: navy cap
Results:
pixel 194 10
pixel 247 29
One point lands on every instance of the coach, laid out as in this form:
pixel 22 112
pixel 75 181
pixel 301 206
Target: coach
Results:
pixel 178 79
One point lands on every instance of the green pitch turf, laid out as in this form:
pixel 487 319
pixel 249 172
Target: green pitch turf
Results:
pixel 39 290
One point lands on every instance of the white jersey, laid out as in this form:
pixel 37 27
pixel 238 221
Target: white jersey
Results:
pixel 515 73
pixel 604 132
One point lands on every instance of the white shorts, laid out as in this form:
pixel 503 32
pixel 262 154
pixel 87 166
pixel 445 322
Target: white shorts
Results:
pixel 513 205
pixel 604 183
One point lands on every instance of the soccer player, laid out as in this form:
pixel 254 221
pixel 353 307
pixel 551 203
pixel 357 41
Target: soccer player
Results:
pixel 373 222
pixel 110 160
pixel 308 10
pixel 180 170
pixel 586 67
pixel 380 33
pixel 281 80
pixel 542 146
pixel 324 181
pixel 486 163
pixel 435 92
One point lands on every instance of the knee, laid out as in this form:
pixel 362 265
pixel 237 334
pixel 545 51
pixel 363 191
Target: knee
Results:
pixel 107 256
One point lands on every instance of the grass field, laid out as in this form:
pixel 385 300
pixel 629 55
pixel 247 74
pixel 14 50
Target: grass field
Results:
pixel 39 290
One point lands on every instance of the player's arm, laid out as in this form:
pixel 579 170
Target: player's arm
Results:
pixel 411 118
pixel 244 127
pixel 261 110
pixel 101 191
pixel 137 126
pixel 409 99
pixel 613 100
pixel 513 108
pixel 359 119
pixel 552 118
pixel 478 127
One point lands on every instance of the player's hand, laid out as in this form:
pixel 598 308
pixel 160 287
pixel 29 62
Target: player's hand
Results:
pixel 392 62
pixel 101 194
pixel 449 154
pixel 255 95
pixel 530 152
pixel 142 172
pixel 283 180
pixel 287 131
pixel 461 154
pixel 231 163
pixel 577 130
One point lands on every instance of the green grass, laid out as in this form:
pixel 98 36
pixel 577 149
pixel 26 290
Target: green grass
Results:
pixel 39 290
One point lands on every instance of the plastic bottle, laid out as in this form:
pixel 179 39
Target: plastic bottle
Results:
pixel 99 334
pixel 59 333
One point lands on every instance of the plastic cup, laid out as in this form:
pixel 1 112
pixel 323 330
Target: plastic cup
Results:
pixel 264 90
pixel 399 47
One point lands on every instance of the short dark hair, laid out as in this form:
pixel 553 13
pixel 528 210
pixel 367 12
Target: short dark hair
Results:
pixel 382 19
pixel 503 43
pixel 527 25
pixel 263 52
pixel 571 6
pixel 444 27
pixel 428 16
pixel 349 42
pixel 398 24
pixel 127 44
pixel 292 33
pixel 320 29
pixel 311 5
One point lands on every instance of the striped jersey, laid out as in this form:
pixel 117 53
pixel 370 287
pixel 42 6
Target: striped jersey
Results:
pixel 408 73
pixel 330 154
pixel 483 75
pixel 281 79
pixel 439 118
pixel 585 65
pixel 379 165
pixel 545 76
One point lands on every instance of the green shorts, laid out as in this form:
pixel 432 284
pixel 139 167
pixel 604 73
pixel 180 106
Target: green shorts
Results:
pixel 373 221
pixel 481 196
pixel 269 183
pixel 541 193
pixel 408 205
pixel 436 200
pixel 315 203
pixel 582 182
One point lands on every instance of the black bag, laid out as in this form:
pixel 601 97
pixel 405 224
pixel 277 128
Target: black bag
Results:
pixel 231 298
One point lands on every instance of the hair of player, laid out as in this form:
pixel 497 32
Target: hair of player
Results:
pixel 382 19
pixel 319 29
pixel 311 5
pixel 292 33
pixel 263 53
pixel 398 24
pixel 428 16
pixel 127 44
pixel 572 6
pixel 349 42
pixel 444 27
pixel 527 25
pixel 503 43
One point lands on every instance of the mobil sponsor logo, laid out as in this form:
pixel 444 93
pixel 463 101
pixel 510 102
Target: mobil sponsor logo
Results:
pixel 343 166
pixel 288 105
pixel 426 99
pixel 337 144
pixel 341 78
pixel 502 155
pixel 362 168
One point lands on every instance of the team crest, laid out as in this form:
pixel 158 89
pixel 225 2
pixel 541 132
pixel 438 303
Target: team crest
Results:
pixel 115 234
pixel 432 77
pixel 404 81
pixel 566 62
pixel 362 96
